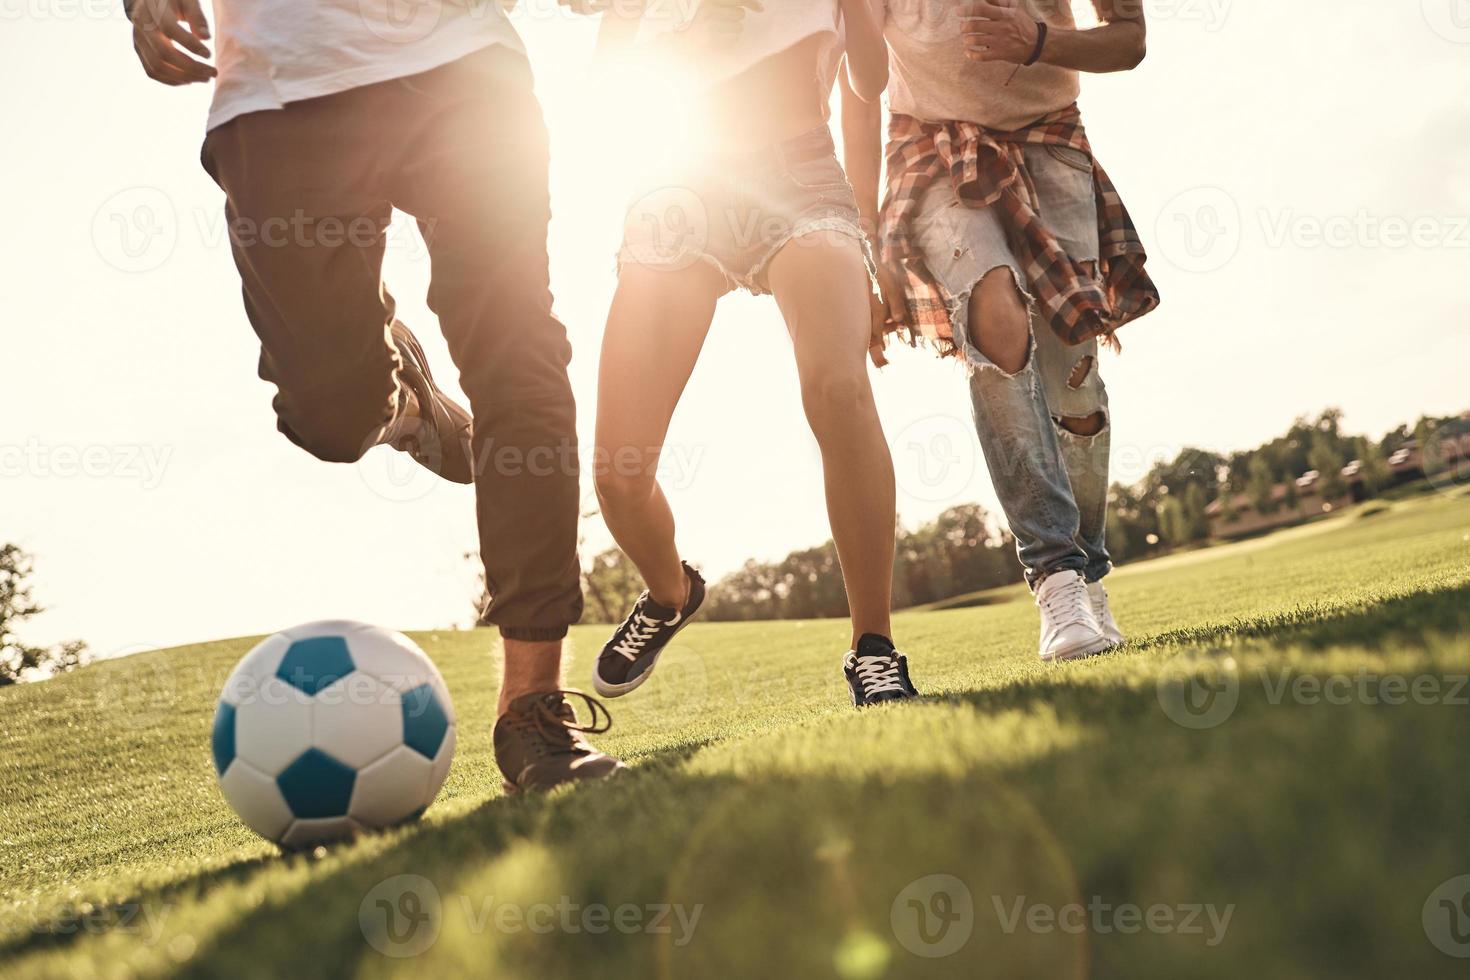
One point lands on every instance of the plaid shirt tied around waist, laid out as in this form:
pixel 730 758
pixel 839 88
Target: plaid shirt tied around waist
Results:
pixel 988 168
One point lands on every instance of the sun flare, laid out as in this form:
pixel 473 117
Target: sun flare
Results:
pixel 642 116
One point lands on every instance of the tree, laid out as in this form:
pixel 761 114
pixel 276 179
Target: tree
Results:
pixel 612 584
pixel 1261 486
pixel 19 661
pixel 1292 501
pixel 1196 520
pixel 1426 433
pixel 1326 459
pixel 1373 466
pixel 1173 522
pixel 1228 513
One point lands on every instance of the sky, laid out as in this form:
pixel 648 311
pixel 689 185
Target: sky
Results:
pixel 1296 170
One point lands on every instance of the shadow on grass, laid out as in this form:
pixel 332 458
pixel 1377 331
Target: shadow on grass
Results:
pixel 1406 620
pixel 778 870
pixel 996 598
pixel 1411 622
pixel 69 925
pixel 801 873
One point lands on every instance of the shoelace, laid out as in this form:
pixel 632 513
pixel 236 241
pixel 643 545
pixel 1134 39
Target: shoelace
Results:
pixel 562 732
pixel 879 674
pixel 1065 607
pixel 637 630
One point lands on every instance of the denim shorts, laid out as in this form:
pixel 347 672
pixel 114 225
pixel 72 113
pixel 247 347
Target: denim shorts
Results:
pixel 961 245
pixel 737 211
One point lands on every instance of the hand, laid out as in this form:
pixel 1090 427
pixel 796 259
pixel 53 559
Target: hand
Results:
pixel 878 330
pixel 891 289
pixel 161 28
pixel 889 309
pixel 998 31
pixel 720 21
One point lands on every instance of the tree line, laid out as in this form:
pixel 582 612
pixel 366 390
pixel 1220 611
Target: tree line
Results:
pixel 966 549
pixel 1168 508
pixel 20 660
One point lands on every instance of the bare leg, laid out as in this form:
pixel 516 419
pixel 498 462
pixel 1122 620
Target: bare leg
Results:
pixel 821 285
pixel 655 331
pixel 530 668
pixel 1000 326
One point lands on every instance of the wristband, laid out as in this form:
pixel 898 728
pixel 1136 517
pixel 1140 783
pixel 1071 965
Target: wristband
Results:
pixel 1041 32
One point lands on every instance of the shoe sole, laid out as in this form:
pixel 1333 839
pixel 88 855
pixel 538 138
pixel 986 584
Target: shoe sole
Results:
pixel 421 361
pixel 1102 645
pixel 874 704
pixel 511 789
pixel 627 687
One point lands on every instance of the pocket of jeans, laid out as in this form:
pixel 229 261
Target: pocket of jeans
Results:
pixel 823 174
pixel 1073 158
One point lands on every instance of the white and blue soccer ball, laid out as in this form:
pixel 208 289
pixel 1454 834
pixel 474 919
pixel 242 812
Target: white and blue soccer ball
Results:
pixel 331 728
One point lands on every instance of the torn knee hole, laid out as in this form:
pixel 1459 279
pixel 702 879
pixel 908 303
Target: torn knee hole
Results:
pixel 1086 425
pixel 1079 373
pixel 1000 321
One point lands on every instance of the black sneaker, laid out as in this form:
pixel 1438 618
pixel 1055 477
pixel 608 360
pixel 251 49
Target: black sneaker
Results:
pixel 877 672
pixel 634 649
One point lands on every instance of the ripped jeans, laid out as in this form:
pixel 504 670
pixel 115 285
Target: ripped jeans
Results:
pixel 1052 483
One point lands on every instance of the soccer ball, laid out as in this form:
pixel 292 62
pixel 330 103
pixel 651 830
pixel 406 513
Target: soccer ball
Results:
pixel 331 728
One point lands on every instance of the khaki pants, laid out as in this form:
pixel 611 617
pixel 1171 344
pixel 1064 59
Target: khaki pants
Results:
pixel 310 190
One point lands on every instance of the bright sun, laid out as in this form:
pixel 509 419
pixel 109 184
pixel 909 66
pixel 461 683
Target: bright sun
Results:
pixel 642 116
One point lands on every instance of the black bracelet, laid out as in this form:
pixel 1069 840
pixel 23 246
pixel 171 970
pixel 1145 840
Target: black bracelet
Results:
pixel 1041 31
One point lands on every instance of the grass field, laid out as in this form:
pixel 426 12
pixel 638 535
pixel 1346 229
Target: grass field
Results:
pixel 1270 781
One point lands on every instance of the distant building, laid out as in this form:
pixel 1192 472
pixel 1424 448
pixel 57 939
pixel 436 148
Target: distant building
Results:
pixel 1404 465
pixel 1408 462
pixel 1247 520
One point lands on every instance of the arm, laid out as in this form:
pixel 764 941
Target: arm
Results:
pixel 862 151
pixel 1002 30
pixel 165 33
pixel 867 52
pixel 862 157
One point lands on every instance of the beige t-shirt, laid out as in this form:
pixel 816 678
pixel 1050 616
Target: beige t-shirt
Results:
pixel 932 80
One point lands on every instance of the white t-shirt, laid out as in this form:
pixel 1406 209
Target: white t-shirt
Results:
pixel 273 52
pixel 783 24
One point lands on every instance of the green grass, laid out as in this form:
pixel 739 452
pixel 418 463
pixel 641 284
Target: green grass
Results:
pixel 790 823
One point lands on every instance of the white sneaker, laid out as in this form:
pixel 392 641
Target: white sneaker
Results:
pixel 1104 613
pixel 1069 628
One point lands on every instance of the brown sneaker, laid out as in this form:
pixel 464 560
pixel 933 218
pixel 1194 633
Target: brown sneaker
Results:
pixel 538 743
pixel 439 438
